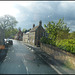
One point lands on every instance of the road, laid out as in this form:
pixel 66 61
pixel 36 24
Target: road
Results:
pixel 22 60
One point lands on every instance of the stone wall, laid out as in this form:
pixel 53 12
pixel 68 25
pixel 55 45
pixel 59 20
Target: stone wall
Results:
pixel 60 55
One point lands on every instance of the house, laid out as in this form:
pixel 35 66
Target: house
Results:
pixel 34 35
pixel 16 37
pixel 19 35
pixel 26 37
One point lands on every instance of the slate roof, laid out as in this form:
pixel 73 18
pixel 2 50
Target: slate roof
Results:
pixel 34 29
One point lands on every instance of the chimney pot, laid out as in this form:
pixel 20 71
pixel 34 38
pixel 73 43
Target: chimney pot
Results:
pixel 40 23
pixel 33 25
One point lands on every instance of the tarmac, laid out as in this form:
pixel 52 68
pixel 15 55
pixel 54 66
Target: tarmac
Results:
pixel 56 65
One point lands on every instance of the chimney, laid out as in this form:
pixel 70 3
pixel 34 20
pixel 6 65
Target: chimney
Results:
pixel 40 23
pixel 33 25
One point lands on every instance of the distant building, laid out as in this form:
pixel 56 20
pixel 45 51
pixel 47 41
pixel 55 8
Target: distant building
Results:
pixel 34 35
pixel 19 35
pixel 16 37
pixel 26 37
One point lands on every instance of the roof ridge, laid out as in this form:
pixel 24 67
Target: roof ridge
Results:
pixel 34 29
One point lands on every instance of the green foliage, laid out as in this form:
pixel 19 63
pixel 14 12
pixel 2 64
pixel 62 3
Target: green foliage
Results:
pixel 24 29
pixel 10 32
pixel 7 23
pixel 57 31
pixel 67 44
pixel 62 35
pixel 72 35
pixel 62 26
pixel 51 30
pixel 58 35
pixel 45 40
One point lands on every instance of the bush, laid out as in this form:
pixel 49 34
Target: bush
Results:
pixel 47 41
pixel 67 44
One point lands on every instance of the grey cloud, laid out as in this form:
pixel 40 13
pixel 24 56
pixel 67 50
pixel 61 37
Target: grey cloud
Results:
pixel 45 11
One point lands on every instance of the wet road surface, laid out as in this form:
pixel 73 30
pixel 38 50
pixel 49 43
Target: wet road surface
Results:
pixel 22 60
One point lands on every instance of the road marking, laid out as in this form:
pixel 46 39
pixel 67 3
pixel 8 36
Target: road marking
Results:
pixel 55 69
pixel 27 69
pixel 51 65
pixel 6 56
pixel 4 60
pixel 24 64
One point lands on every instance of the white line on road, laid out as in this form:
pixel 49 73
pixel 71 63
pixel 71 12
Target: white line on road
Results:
pixel 27 69
pixel 6 56
pixel 4 60
pixel 23 60
pixel 55 69
pixel 51 65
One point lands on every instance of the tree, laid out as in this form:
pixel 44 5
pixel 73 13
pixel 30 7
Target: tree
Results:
pixel 24 30
pixel 72 35
pixel 10 32
pixel 62 26
pixel 62 30
pixel 53 30
pixel 7 22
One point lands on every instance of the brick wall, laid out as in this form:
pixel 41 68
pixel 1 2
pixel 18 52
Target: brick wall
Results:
pixel 58 54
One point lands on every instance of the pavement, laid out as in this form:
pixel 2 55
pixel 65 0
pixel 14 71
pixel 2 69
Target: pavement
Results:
pixel 56 65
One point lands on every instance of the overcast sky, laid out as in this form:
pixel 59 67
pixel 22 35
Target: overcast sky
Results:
pixel 28 13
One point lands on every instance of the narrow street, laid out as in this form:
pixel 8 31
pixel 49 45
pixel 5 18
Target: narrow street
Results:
pixel 22 60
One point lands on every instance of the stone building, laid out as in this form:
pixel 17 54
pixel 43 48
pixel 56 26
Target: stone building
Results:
pixel 19 35
pixel 34 35
pixel 26 37
pixel 16 37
